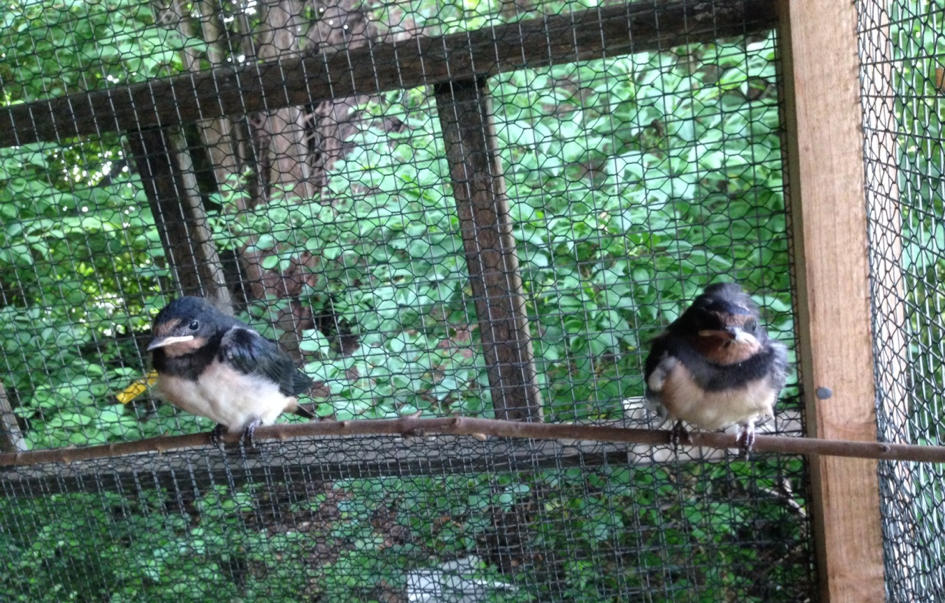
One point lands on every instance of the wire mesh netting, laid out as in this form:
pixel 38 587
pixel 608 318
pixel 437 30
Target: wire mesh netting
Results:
pixel 485 209
pixel 901 46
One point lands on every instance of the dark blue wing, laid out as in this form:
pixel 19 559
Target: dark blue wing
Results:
pixel 251 353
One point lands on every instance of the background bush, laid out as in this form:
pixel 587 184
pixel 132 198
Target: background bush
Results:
pixel 634 181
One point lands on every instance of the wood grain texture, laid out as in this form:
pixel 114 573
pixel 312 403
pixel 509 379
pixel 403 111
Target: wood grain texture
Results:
pixel 485 224
pixel 378 66
pixel 826 184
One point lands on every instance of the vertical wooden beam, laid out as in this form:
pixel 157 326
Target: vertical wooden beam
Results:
pixel 476 172
pixel 826 185
pixel 167 173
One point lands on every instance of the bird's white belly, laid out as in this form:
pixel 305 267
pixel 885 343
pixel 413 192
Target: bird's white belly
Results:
pixel 226 396
pixel 685 400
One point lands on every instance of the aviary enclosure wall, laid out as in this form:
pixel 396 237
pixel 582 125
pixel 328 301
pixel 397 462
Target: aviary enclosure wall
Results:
pixel 903 78
pixel 479 208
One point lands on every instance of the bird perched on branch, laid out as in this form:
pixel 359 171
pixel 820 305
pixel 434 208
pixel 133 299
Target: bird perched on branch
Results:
pixel 715 366
pixel 213 365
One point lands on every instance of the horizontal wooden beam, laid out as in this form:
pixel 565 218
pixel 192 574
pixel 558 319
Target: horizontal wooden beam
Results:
pixel 308 461
pixel 419 61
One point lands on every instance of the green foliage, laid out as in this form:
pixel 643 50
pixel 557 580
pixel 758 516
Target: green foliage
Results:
pixel 633 182
pixel 921 160
pixel 56 48
pixel 599 532
pixel 390 265
pixel 629 199
pixel 94 547
pixel 75 244
pixel 69 256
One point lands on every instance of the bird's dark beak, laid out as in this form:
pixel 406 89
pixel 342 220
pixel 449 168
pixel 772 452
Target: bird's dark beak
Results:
pixel 160 342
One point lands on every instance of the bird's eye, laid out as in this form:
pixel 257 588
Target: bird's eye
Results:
pixel 750 326
pixel 194 325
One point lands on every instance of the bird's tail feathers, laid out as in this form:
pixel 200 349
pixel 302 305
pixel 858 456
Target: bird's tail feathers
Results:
pixel 301 383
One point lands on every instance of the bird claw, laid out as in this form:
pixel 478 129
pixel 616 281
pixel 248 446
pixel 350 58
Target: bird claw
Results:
pixel 249 432
pixel 746 439
pixel 247 436
pixel 679 434
pixel 216 435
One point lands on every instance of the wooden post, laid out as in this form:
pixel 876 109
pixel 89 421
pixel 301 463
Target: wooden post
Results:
pixel 167 174
pixel 476 172
pixel 828 206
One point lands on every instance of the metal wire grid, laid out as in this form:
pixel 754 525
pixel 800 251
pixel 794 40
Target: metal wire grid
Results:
pixel 708 207
pixel 900 48
pixel 633 181
pixel 439 516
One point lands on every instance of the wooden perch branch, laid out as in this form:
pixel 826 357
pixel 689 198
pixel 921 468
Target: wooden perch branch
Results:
pixel 482 428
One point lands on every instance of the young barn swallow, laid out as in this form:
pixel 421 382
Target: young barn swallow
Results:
pixel 714 366
pixel 215 366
